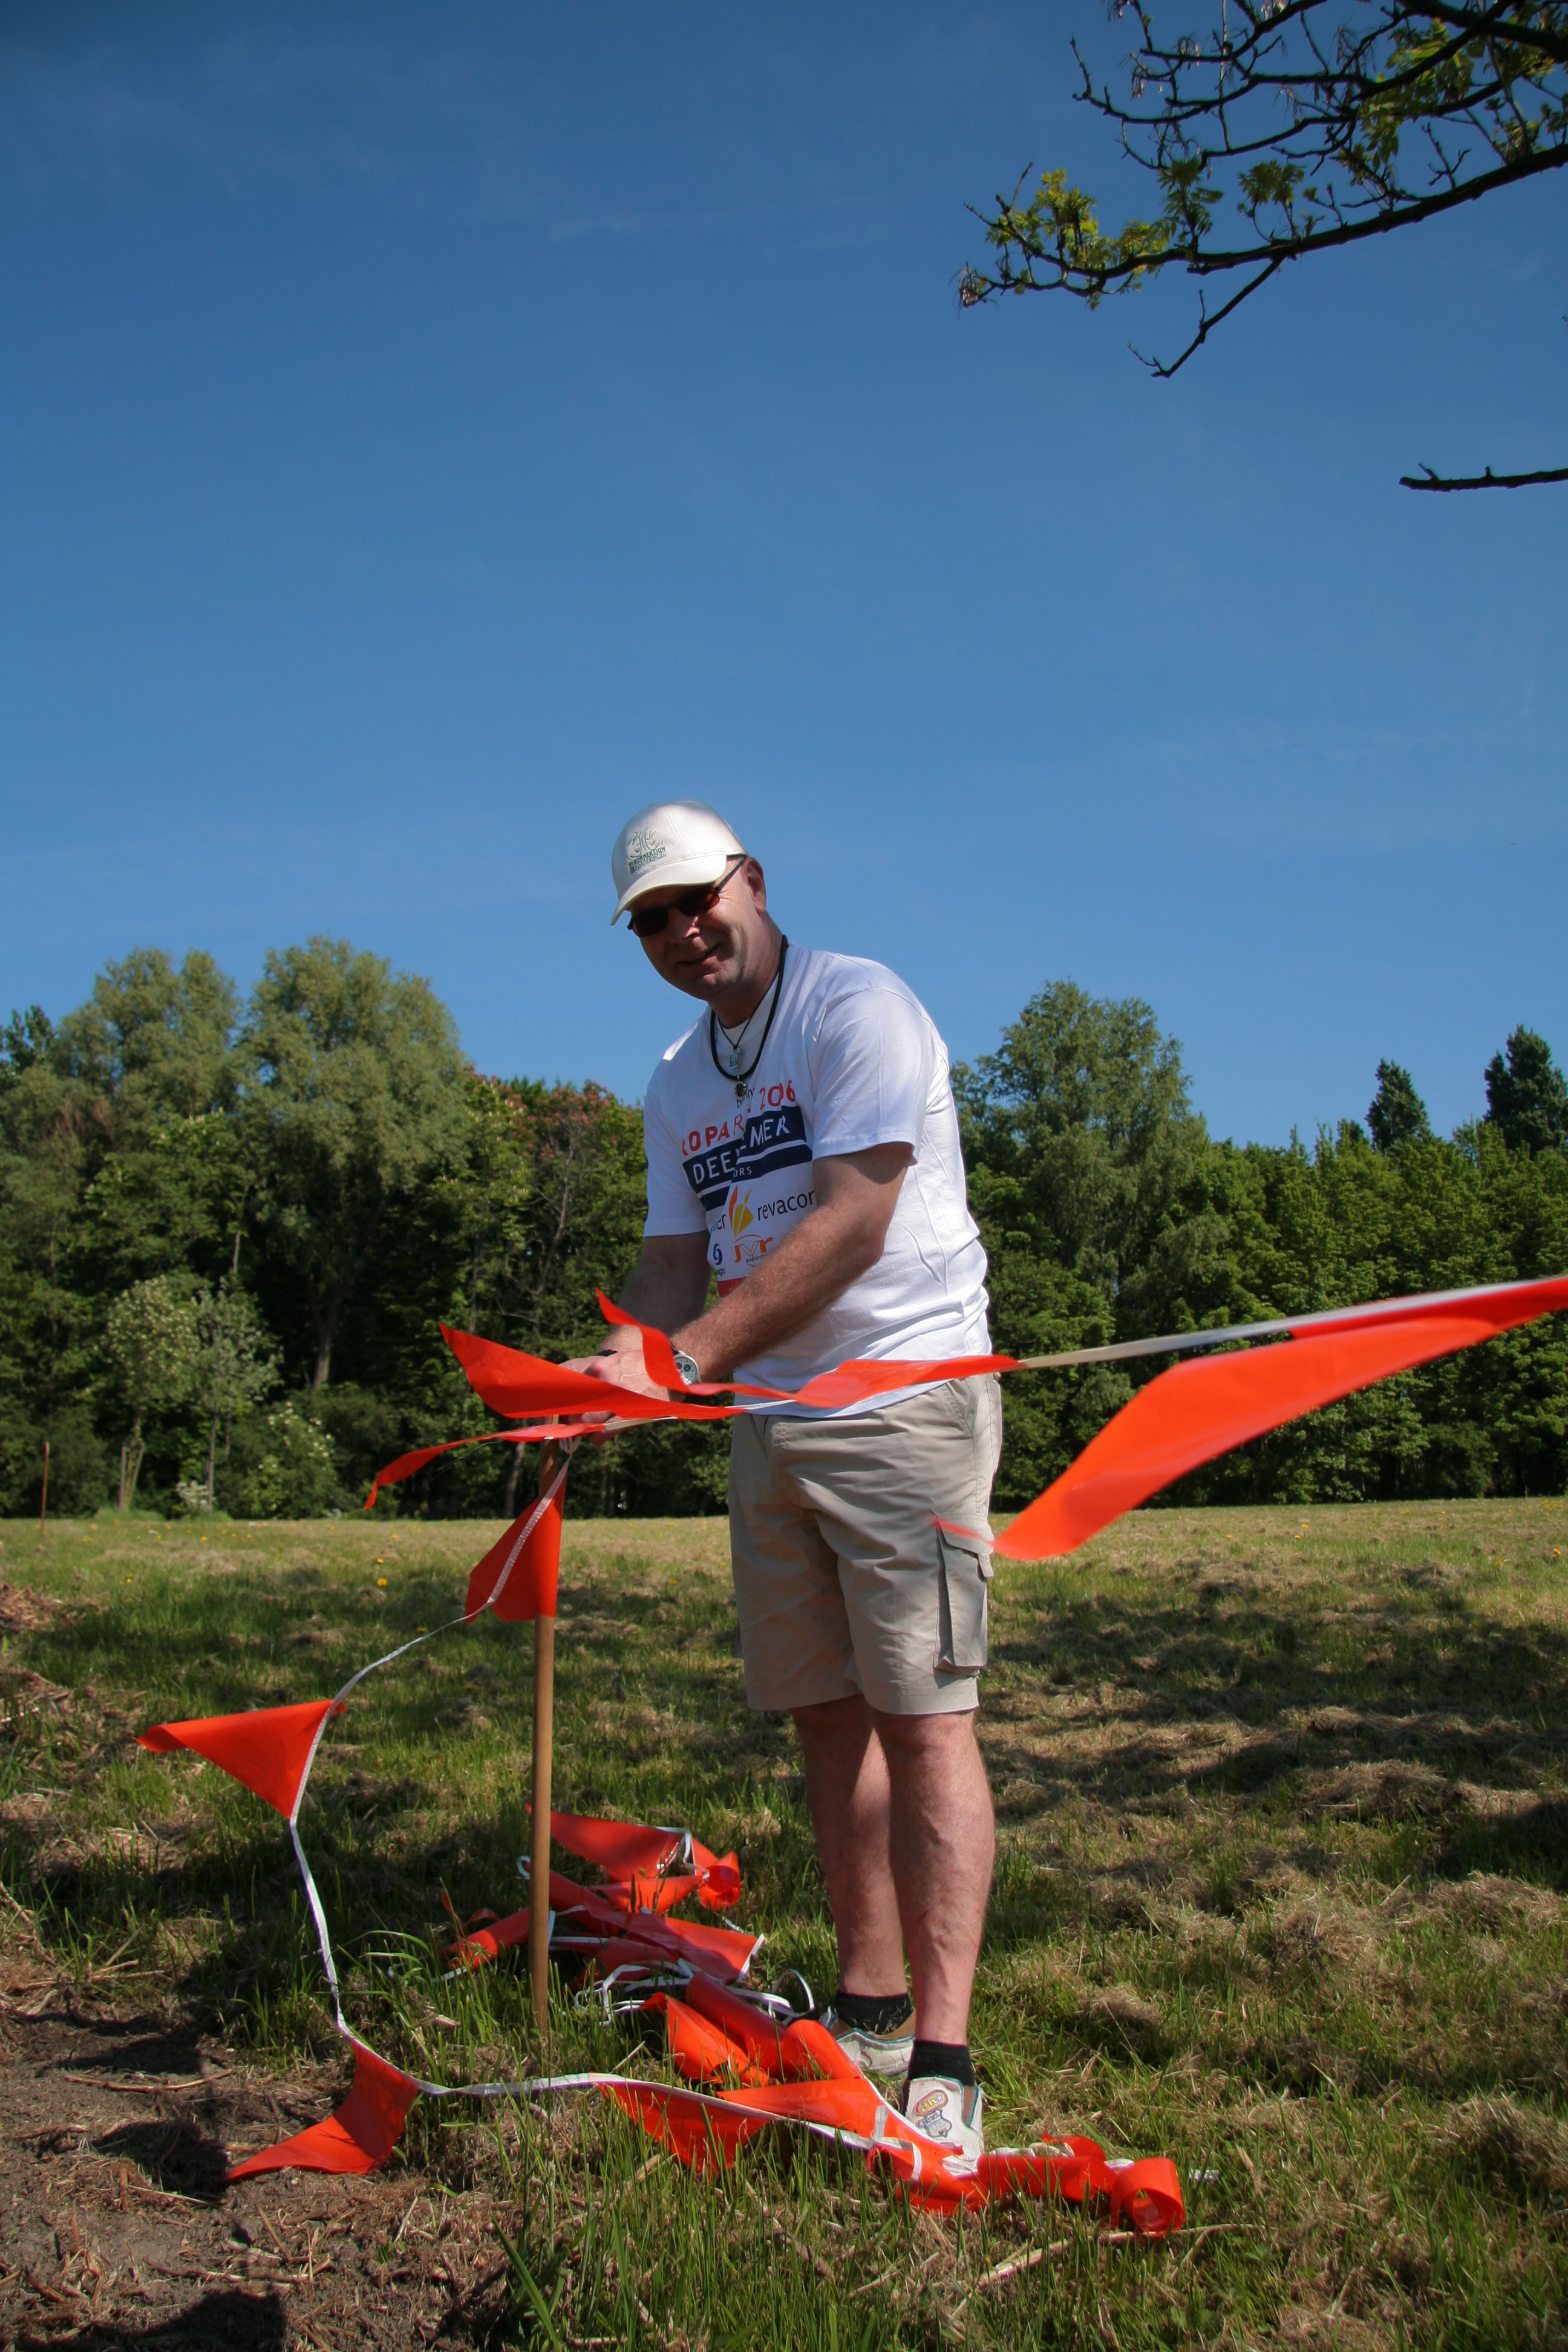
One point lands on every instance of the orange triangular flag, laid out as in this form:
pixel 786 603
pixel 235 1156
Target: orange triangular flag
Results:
pixel 267 1749
pixel 360 2135
pixel 535 1567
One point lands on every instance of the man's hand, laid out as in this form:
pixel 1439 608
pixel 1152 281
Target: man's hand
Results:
pixel 667 1285
pixel 619 1359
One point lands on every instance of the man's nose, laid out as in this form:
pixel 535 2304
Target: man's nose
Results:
pixel 679 928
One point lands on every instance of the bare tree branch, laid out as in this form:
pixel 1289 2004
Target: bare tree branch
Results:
pixel 1427 480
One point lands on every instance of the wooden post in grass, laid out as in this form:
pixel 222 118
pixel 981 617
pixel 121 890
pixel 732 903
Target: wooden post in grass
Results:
pixel 543 1736
pixel 44 1498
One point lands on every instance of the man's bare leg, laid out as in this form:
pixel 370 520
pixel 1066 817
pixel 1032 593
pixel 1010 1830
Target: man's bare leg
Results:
pixel 943 1849
pixel 846 1786
pixel 904 1827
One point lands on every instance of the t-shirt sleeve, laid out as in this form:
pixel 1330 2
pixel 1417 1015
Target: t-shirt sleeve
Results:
pixel 672 1207
pixel 871 1073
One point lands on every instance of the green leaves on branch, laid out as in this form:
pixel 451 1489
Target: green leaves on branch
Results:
pixel 1322 121
pixel 1058 230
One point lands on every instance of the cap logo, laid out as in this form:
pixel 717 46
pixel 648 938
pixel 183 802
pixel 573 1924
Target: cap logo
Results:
pixel 644 849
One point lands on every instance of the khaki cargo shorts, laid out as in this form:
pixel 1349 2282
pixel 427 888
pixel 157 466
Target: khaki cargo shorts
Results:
pixel 843 1581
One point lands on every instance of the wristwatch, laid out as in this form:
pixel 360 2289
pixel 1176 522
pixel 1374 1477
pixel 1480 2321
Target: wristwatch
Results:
pixel 687 1366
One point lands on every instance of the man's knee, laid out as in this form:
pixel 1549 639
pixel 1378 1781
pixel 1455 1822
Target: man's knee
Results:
pixel 913 1737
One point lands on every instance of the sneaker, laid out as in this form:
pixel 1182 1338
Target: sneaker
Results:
pixel 887 2054
pixel 951 2112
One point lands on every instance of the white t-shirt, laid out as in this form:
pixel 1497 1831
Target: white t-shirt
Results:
pixel 852 1059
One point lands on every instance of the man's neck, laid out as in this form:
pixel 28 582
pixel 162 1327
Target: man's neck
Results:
pixel 743 1002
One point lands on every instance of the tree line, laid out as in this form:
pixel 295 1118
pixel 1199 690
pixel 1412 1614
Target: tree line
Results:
pixel 230 1231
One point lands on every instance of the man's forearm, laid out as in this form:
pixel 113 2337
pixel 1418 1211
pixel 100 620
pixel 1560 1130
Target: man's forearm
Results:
pixel 665 1296
pixel 839 1240
pixel 825 1253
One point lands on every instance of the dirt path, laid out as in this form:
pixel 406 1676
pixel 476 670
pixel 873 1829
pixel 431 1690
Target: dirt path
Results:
pixel 115 2133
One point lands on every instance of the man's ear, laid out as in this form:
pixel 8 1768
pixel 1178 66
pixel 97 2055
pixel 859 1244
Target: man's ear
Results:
pixel 756 884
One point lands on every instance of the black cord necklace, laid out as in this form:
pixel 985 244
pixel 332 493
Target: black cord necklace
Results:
pixel 734 1070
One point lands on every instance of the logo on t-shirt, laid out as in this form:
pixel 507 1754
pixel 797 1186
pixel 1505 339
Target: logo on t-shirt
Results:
pixel 766 1140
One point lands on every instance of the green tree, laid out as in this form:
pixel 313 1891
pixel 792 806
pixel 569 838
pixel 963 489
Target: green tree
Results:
pixel 281 1465
pixel 47 1144
pixel 351 1096
pixel 153 1041
pixel 1527 1096
pixel 28 1038
pixel 1085 1106
pixel 1321 123
pixel 151 1342
pixel 235 1366
pixel 1082 1150
pixel 1396 1113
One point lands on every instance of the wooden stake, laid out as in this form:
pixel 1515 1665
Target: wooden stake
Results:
pixel 544 1738
pixel 44 1498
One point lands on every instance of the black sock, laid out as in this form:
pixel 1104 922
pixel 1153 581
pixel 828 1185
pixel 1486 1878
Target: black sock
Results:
pixel 873 2012
pixel 949 2059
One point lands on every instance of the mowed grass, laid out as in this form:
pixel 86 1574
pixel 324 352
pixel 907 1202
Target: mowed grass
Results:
pixel 1281 1893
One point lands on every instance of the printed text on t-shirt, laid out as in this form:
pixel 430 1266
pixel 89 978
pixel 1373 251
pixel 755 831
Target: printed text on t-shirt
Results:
pixel 715 1157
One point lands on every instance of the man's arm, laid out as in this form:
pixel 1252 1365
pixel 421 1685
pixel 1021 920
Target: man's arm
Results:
pixel 838 1241
pixel 669 1283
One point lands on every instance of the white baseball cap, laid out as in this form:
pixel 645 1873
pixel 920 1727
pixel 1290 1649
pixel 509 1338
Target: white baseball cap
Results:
pixel 667 846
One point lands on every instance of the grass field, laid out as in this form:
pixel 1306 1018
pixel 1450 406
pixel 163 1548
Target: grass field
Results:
pixel 1281 1893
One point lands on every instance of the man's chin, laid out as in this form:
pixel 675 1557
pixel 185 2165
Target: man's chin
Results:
pixel 706 980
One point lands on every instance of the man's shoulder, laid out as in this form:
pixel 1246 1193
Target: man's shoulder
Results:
pixel 832 979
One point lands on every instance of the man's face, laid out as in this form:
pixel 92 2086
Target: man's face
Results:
pixel 713 956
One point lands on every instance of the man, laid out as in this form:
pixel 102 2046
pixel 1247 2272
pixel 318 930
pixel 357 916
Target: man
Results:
pixel 803 1148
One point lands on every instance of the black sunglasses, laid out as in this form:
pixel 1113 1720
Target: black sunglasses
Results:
pixel 649 922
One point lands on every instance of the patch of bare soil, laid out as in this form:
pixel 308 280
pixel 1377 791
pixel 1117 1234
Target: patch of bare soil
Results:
pixel 116 2130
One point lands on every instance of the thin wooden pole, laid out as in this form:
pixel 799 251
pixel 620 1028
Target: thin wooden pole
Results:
pixel 44 1498
pixel 543 1739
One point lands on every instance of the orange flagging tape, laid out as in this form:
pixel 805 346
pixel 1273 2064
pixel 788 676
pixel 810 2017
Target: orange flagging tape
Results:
pixel 1193 1413
pixel 528 1557
pixel 358 2136
pixel 794 2073
pixel 767 2071
pixel 1184 1418
pixel 269 1749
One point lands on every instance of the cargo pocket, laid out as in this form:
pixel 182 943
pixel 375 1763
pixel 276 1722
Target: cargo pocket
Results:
pixel 964 1640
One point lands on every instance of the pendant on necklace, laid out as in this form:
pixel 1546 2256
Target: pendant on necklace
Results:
pixel 739 1091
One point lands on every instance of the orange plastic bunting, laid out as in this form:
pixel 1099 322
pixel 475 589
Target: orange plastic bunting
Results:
pixel 407 1464
pixel 1193 1413
pixel 701 2050
pixel 852 1382
pixel 267 1749
pixel 1184 1417
pixel 532 1553
pixel 796 2072
pixel 517 1385
pixel 358 2136
pixel 621 1848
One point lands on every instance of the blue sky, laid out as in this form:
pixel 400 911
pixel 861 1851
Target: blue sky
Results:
pixel 429 433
